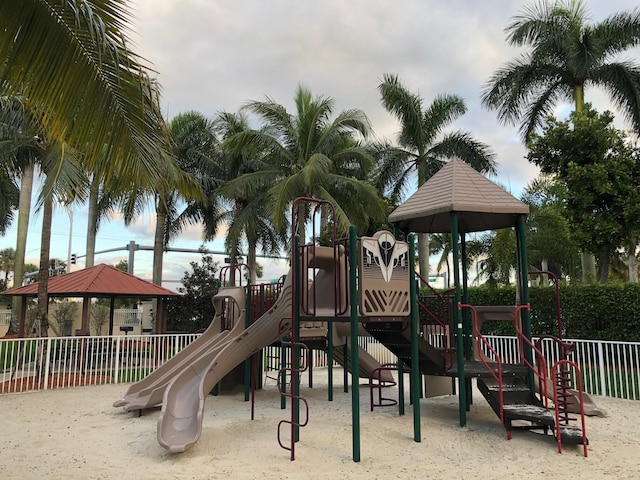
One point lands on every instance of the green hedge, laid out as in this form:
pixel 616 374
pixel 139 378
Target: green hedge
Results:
pixel 595 312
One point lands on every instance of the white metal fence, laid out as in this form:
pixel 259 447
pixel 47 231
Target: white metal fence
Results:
pixel 608 368
pixel 127 317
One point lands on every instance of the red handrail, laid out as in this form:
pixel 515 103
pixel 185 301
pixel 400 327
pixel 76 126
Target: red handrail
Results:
pixel 340 306
pixel 376 374
pixel 292 394
pixel 541 372
pixel 481 340
pixel 235 267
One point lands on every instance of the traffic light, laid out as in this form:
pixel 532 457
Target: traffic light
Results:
pixel 73 259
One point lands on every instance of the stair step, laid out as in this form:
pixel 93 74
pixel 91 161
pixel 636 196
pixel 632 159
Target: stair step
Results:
pixel 508 388
pixel 529 412
pixel 572 435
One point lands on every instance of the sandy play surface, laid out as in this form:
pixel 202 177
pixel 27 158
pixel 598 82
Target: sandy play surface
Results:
pixel 76 433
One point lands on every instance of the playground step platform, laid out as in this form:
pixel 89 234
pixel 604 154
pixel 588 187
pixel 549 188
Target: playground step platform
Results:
pixel 571 435
pixel 475 368
pixel 397 339
pixel 519 404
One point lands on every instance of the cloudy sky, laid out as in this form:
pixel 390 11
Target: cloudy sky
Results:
pixel 217 55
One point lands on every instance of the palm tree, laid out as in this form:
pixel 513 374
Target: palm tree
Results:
pixel 64 184
pixel 9 194
pixel 69 60
pixel 7 263
pixel 309 155
pixel 247 218
pixel 192 145
pixel 440 243
pixel 423 145
pixel 567 54
pixel 550 246
pixel 20 148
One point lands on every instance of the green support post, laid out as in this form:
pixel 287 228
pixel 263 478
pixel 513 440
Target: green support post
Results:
pixel 467 325
pixel 355 361
pixel 524 292
pixel 345 370
pixel 415 362
pixel 462 390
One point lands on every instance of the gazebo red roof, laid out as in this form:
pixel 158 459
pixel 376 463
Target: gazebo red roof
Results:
pixel 98 281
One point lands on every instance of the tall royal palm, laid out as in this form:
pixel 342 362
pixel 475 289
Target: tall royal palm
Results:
pixel 566 55
pixel 310 155
pixel 424 146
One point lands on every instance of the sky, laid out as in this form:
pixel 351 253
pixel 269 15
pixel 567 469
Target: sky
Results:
pixel 213 56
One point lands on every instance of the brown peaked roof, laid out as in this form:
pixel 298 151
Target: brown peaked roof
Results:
pixel 97 281
pixel 480 204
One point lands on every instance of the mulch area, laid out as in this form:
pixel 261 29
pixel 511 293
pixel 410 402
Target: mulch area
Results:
pixel 56 380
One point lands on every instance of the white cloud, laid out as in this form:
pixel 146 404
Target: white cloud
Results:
pixel 213 56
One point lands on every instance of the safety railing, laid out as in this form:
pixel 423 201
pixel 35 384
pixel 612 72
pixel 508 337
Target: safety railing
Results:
pixel 5 317
pixel 127 317
pixel 610 369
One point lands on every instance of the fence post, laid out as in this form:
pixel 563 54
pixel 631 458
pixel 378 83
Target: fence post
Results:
pixel 117 374
pixel 603 382
pixel 47 364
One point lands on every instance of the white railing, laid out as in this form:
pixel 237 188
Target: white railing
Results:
pixel 5 317
pixel 55 362
pixel 608 368
pixel 127 317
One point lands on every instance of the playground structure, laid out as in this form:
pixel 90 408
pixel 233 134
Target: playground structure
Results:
pixel 334 293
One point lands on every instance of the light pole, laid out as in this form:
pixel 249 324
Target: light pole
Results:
pixel 70 212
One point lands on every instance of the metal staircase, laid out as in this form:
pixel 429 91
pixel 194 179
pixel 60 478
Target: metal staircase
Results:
pixel 509 388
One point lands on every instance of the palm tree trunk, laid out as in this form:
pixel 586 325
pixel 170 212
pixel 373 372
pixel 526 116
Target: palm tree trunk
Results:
pixel 158 242
pixel 92 223
pixel 588 262
pixel 633 262
pixel 252 261
pixel 423 255
pixel 24 212
pixel 43 275
pixel 301 224
pixel 605 257
pixel 544 279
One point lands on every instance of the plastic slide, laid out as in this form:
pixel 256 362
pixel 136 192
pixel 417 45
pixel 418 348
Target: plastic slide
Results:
pixel 148 392
pixel 366 362
pixel 180 421
pixel 590 407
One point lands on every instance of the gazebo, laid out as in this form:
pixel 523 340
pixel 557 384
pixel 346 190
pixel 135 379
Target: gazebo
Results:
pixel 459 200
pixel 99 281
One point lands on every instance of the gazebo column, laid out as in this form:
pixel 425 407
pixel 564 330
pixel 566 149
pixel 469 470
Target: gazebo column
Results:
pixel 161 314
pixel 23 317
pixel 112 302
pixel 85 316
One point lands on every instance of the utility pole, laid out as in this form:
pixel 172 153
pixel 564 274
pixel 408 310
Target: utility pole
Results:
pixel 70 212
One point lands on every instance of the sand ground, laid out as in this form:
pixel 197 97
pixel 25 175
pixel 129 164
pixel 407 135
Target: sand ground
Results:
pixel 76 433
